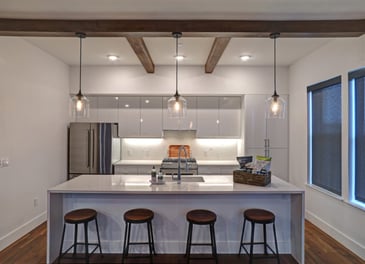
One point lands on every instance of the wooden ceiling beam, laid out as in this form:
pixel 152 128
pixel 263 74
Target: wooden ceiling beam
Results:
pixel 211 28
pixel 139 47
pixel 215 54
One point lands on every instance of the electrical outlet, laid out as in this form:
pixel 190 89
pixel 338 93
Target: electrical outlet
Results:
pixel 35 202
pixel 1 163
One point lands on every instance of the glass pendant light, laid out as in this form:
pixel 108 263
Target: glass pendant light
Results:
pixel 176 105
pixel 275 105
pixel 79 103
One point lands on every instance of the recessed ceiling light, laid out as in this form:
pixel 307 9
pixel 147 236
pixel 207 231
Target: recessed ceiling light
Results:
pixel 245 57
pixel 113 57
pixel 179 57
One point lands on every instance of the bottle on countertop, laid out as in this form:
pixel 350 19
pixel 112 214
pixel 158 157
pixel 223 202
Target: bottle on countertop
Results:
pixel 160 176
pixel 153 173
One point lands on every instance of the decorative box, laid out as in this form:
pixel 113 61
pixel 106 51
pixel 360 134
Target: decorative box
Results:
pixel 240 176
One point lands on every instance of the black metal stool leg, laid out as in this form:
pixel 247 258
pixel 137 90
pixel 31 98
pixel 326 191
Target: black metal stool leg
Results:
pixel 153 241
pixel 265 239
pixel 149 241
pixel 214 246
pixel 63 237
pixel 125 242
pixel 243 231
pixel 97 233
pixel 252 238
pixel 188 245
pixel 86 243
pixel 276 243
pixel 75 238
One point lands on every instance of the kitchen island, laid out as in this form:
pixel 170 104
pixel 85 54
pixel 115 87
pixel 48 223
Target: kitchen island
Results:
pixel 112 195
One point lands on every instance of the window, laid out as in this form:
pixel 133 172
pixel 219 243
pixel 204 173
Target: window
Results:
pixel 324 130
pixel 357 135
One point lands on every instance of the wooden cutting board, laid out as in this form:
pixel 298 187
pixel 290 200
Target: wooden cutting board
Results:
pixel 174 151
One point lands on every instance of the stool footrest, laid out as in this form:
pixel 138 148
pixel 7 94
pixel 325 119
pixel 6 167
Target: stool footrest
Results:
pixel 81 244
pixel 257 243
pixel 201 244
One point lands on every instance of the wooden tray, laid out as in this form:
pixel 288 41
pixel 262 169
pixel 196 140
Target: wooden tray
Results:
pixel 174 151
pixel 240 176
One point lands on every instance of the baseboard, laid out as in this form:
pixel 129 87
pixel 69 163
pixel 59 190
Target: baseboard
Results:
pixel 336 234
pixel 20 231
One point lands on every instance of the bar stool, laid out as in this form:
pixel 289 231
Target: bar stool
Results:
pixel 201 217
pixel 80 216
pixel 138 216
pixel 264 217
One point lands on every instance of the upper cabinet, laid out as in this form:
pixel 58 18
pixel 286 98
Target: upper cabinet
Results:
pixel 188 123
pixel 147 116
pixel 102 109
pixel 219 116
pixel 140 116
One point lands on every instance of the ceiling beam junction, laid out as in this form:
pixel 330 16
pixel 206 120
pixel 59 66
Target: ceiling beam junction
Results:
pixel 215 54
pixel 140 49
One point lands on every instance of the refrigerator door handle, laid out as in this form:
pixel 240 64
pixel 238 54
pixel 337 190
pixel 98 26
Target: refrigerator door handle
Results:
pixel 93 148
pixel 88 147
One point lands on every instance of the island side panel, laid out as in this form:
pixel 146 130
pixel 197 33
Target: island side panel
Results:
pixel 170 226
pixel 297 226
pixel 54 224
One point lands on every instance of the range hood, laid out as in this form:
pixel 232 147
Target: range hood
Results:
pixel 179 133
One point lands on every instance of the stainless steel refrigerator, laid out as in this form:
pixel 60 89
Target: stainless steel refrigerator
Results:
pixel 92 148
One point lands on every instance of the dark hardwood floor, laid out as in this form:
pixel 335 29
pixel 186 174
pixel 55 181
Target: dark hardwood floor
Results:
pixel 319 248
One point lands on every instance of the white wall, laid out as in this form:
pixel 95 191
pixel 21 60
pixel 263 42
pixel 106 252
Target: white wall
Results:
pixel 335 216
pixel 33 134
pixel 225 80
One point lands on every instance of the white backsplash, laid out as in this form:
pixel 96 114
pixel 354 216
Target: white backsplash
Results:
pixel 201 149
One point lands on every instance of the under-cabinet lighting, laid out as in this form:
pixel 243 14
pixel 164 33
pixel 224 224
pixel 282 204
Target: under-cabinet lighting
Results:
pixel 126 106
pixel 143 141
pixel 147 101
pixel 208 142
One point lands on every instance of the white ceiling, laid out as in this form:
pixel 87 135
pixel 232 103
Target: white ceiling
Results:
pixel 195 49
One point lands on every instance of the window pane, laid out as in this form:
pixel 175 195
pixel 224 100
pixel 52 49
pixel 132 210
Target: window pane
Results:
pixel 326 136
pixel 359 139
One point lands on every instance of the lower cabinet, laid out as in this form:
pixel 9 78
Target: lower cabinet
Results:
pixel 217 169
pixel 134 169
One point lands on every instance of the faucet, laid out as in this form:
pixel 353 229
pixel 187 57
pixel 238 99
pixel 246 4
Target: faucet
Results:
pixel 179 163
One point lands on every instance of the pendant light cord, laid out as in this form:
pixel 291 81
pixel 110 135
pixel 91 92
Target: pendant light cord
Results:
pixel 80 68
pixel 176 65
pixel 275 65
pixel 81 36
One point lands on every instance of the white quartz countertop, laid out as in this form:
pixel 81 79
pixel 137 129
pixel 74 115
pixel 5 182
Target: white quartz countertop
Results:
pixel 158 162
pixel 140 184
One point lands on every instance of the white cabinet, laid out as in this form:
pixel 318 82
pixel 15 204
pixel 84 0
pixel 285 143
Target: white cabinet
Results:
pixel 129 116
pixel 102 109
pixel 140 116
pixel 230 116
pixel 256 124
pixel 257 128
pixel 219 117
pixel 187 123
pixel 107 109
pixel 134 169
pixel 217 169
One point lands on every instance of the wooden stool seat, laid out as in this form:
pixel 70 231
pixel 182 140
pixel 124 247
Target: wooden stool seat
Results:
pixel 260 216
pixel 80 216
pixel 264 217
pixel 201 217
pixel 75 217
pixel 139 215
